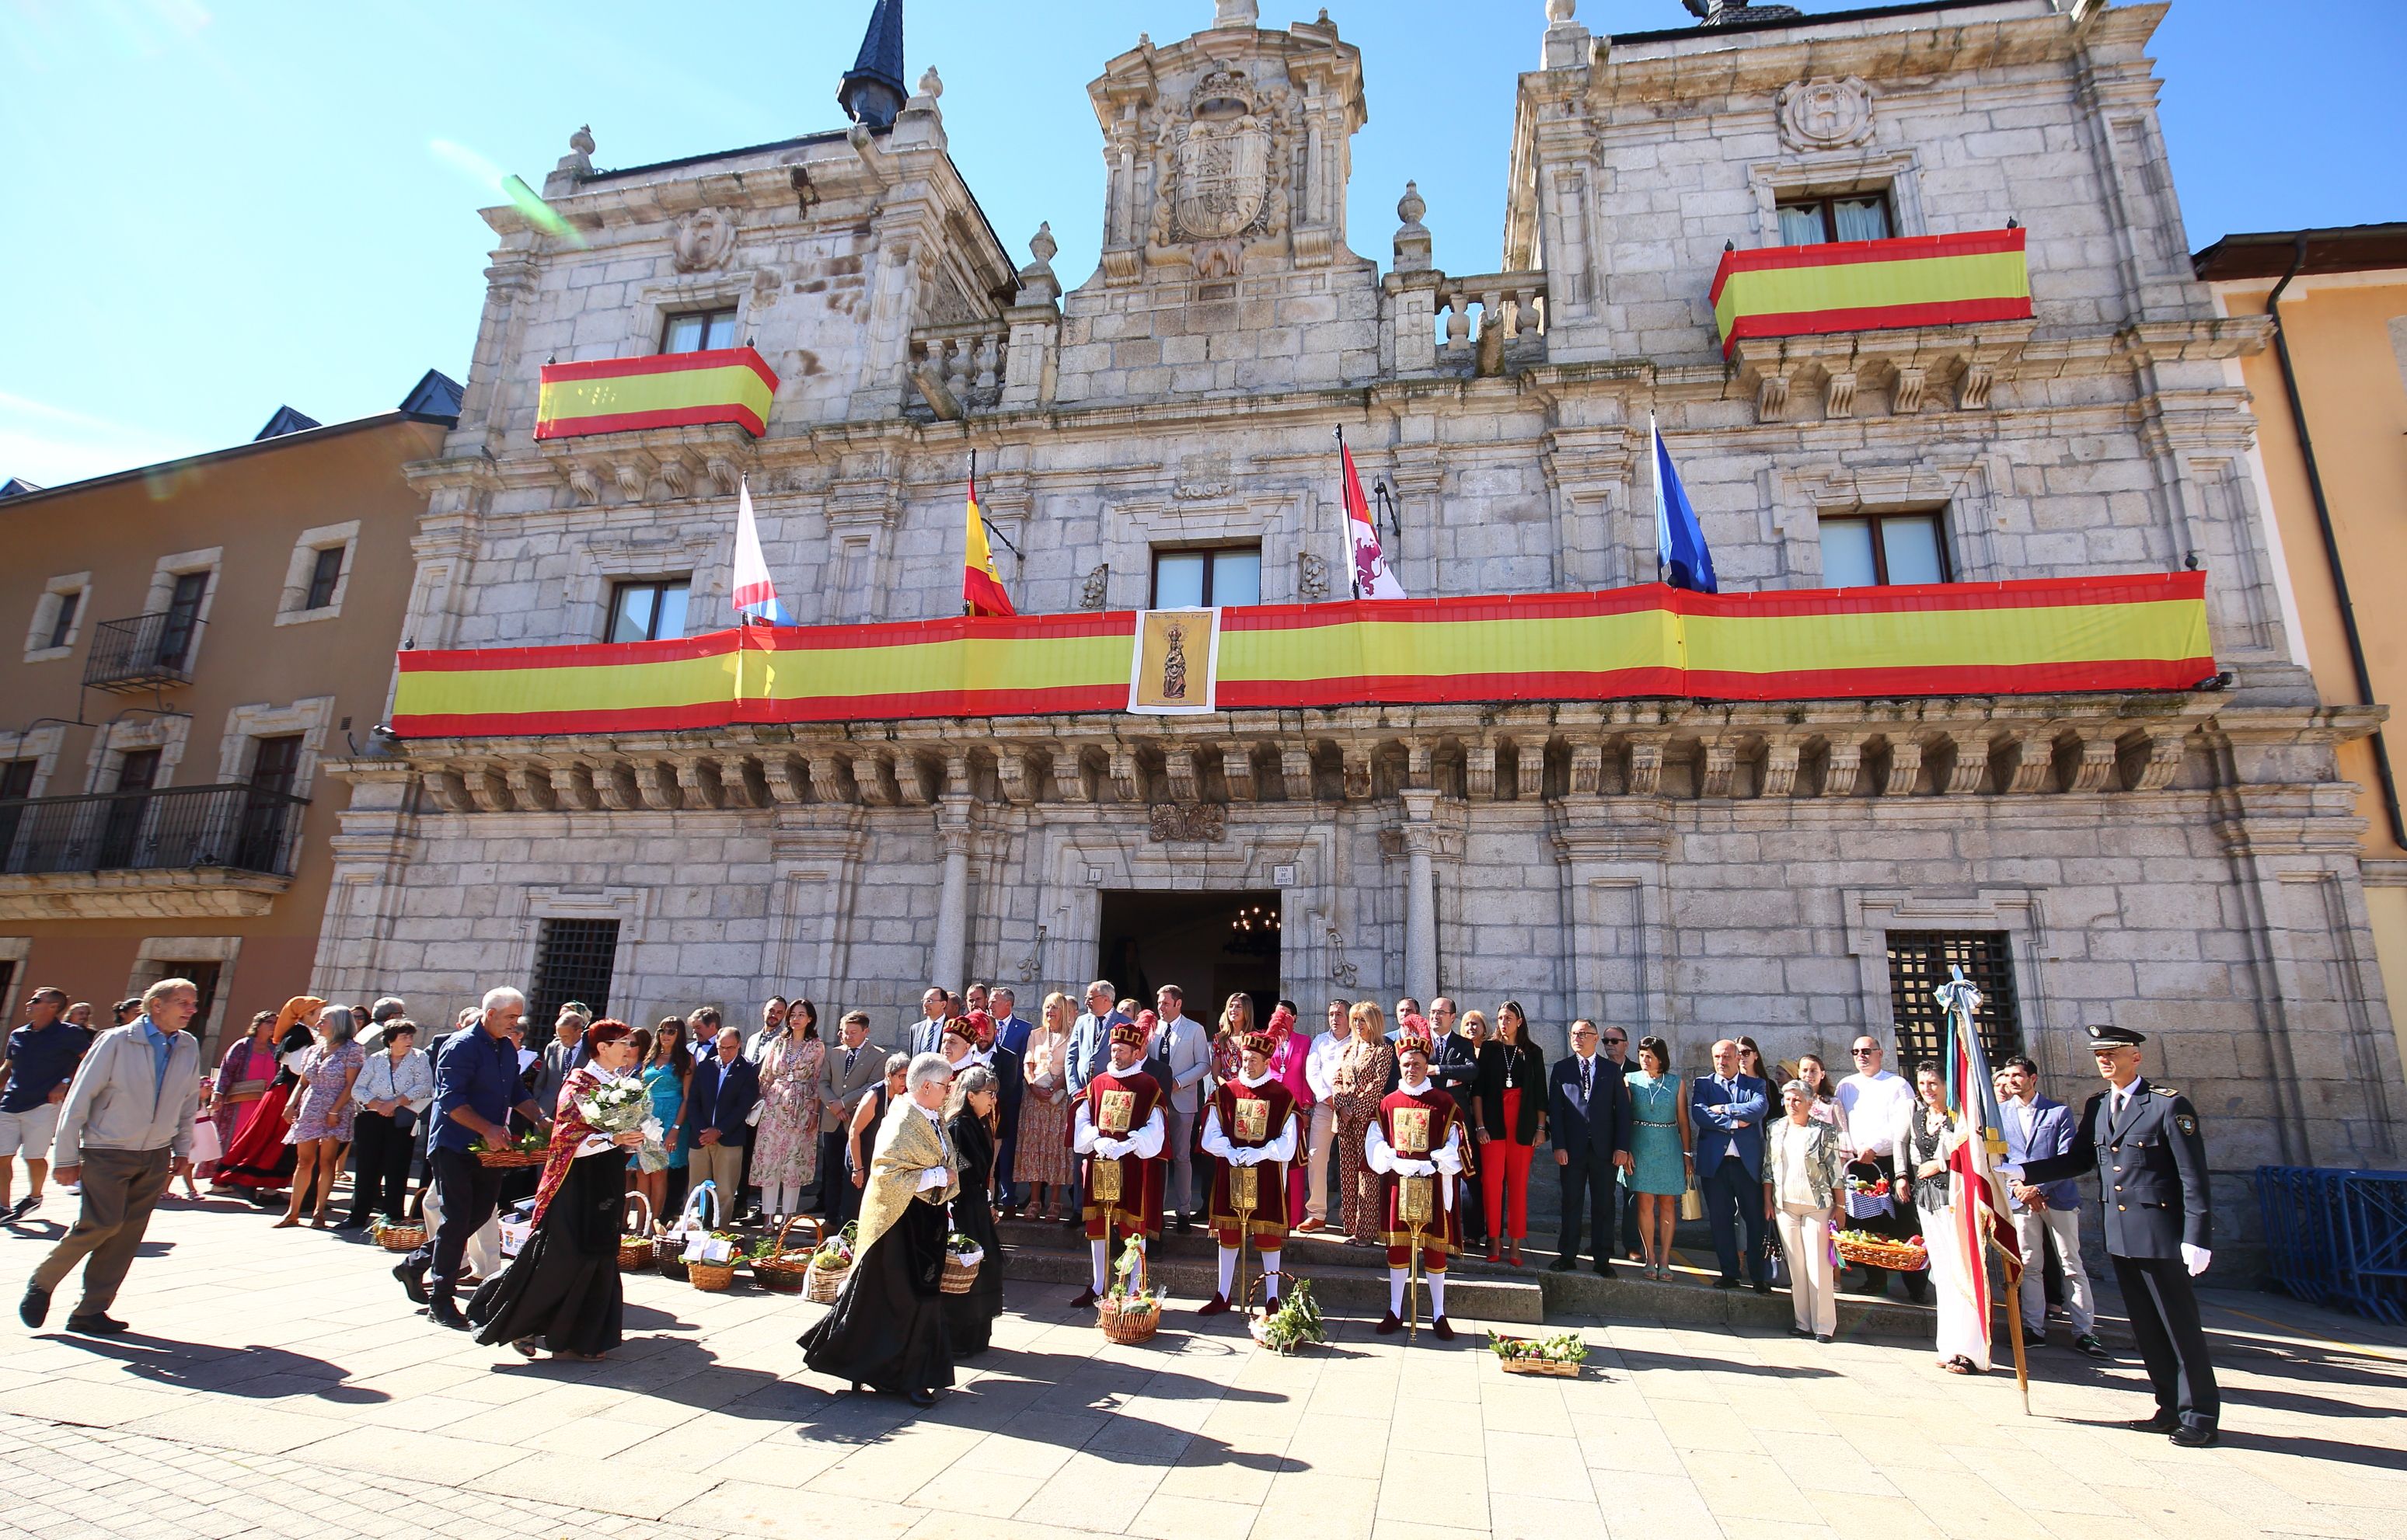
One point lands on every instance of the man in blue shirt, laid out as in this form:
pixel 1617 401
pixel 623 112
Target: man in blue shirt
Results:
pixel 477 1087
pixel 41 1058
pixel 1727 1108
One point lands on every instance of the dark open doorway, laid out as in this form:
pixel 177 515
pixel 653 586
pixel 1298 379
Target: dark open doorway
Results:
pixel 1209 944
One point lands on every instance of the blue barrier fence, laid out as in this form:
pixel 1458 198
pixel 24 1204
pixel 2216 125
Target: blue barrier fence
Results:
pixel 2337 1237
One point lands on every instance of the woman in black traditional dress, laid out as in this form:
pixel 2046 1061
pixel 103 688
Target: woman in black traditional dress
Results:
pixel 562 1292
pixel 969 1318
pixel 885 1331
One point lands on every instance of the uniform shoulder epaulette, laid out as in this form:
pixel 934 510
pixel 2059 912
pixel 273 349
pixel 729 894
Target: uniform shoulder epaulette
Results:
pixel 2164 1091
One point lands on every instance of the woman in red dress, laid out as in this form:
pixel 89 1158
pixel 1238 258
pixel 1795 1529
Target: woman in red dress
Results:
pixel 259 1160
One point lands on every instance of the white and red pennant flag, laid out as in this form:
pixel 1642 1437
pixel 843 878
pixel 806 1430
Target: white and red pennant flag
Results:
pixel 1981 1216
pixel 1373 577
pixel 755 596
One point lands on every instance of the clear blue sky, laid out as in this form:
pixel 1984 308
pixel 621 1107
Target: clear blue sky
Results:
pixel 217 206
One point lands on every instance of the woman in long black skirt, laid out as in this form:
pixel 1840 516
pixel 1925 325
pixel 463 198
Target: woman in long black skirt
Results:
pixel 562 1291
pixel 969 1318
pixel 885 1331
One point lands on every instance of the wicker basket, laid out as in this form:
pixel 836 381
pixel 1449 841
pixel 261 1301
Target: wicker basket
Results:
pixel 1896 1256
pixel 821 1285
pixel 1129 1326
pixel 1547 1367
pixel 711 1276
pixel 668 1251
pixel 636 1252
pixel 961 1273
pixel 401 1237
pixel 787 1272
pixel 512 1159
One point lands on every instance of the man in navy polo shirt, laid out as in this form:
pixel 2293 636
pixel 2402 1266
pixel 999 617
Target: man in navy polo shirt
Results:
pixel 477 1087
pixel 41 1059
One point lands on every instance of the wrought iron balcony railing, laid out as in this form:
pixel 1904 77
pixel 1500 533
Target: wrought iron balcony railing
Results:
pixel 176 828
pixel 143 652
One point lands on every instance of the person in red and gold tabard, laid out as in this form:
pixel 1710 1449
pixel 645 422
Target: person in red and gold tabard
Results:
pixel 1418 1134
pixel 1249 1123
pixel 1118 1124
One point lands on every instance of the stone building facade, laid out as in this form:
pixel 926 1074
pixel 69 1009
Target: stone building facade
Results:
pixel 2183 863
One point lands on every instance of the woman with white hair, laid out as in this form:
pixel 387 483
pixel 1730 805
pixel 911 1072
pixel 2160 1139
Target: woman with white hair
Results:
pixel 885 1331
pixel 320 1114
pixel 974 1118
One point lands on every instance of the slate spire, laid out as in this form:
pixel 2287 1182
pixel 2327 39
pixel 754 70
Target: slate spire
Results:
pixel 871 92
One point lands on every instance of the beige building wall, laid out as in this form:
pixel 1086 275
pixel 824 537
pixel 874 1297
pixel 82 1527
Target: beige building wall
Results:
pixel 2347 337
pixel 263 665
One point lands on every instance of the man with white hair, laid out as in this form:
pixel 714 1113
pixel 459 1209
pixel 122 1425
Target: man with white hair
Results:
pixel 719 1107
pixel 125 1129
pixel 476 1090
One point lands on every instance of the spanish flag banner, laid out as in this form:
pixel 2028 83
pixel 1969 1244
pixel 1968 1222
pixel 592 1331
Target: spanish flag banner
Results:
pixel 664 391
pixel 2047 636
pixel 1871 285
pixel 981 586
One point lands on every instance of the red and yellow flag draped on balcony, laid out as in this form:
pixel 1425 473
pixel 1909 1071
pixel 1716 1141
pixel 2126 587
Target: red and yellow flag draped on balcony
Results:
pixel 664 391
pixel 2145 632
pixel 1869 286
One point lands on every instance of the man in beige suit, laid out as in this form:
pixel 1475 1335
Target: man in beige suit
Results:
pixel 849 1071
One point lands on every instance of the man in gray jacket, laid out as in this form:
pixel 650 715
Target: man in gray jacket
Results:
pixel 124 1131
pixel 1178 1057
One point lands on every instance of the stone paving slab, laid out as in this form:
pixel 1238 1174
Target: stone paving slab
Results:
pixel 277 1384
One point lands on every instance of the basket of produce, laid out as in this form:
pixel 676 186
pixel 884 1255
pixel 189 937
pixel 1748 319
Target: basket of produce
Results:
pixel 962 1257
pixel 528 1150
pixel 1866 1250
pixel 1560 1355
pixel 1295 1324
pixel 831 1264
pixel 779 1269
pixel 636 1247
pixel 710 1260
pixel 1130 1313
pixel 400 1237
pixel 701 1211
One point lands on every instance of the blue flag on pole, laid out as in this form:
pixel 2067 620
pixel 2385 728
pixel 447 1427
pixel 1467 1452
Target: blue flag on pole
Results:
pixel 1679 540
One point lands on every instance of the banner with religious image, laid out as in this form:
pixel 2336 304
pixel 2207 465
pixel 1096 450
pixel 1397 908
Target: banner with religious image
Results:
pixel 1177 655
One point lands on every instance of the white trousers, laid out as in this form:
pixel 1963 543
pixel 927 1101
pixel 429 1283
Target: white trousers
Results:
pixel 1316 1183
pixel 1812 1288
pixel 2030 1232
pixel 1961 1329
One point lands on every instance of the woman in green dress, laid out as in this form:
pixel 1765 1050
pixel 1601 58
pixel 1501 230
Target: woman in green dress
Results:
pixel 1659 1152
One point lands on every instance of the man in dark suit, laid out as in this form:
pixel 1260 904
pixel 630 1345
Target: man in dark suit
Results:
pixel 2153 1199
pixel 850 1070
pixel 719 1107
pixel 1587 1117
pixel 1010 1035
pixel 1727 1108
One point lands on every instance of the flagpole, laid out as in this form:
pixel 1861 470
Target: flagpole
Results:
pixel 1345 535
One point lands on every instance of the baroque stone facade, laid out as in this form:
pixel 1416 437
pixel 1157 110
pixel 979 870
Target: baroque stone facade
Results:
pixel 2186 864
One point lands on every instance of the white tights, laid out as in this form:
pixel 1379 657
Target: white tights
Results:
pixel 1228 1274
pixel 1397 1278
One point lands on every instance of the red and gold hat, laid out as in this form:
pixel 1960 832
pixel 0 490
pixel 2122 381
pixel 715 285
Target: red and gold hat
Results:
pixel 1129 1033
pixel 1255 1043
pixel 1416 1035
pixel 960 1028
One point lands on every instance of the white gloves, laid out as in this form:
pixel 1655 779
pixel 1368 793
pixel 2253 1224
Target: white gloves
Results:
pixel 1415 1168
pixel 1110 1148
pixel 2195 1258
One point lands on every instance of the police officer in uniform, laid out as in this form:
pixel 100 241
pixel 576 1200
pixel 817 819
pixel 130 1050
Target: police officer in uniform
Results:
pixel 2154 1199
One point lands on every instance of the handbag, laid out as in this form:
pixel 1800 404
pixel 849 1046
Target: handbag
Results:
pixel 1693 1201
pixel 206 1146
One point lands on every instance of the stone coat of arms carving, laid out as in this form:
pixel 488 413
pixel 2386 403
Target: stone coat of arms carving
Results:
pixel 1223 173
pixel 1220 166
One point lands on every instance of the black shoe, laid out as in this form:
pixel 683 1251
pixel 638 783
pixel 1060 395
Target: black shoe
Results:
pixel 2162 1422
pixel 25 1206
pixel 2034 1339
pixel 1085 1297
pixel 1603 1269
pixel 2195 1435
pixel 353 1225
pixel 1725 1283
pixel 1185 1225
pixel 35 1307
pixel 2088 1346
pixel 1563 1264
pixel 1388 1325
pixel 1763 1287
pixel 1800 1331
pixel 1822 1336
pixel 923 1399
pixel 443 1312
pixel 1442 1328
pixel 413 1282
pixel 97 1324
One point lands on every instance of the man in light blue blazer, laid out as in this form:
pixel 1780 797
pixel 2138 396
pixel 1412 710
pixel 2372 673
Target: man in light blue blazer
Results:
pixel 1726 1110
pixel 2039 1128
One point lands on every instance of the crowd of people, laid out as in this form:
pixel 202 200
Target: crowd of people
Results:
pixel 1120 1120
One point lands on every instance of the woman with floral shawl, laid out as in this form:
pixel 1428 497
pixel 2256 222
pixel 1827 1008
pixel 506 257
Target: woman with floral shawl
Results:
pixel 563 1291
pixel 258 1158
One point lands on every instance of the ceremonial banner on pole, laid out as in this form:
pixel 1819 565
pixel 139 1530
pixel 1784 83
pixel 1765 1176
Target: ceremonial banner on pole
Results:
pixel 982 590
pixel 1980 1196
pixel 755 595
pixel 1372 576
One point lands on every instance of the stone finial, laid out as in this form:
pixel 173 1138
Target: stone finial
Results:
pixel 1566 45
pixel 1037 283
pixel 582 140
pixel 578 162
pixel 1236 13
pixel 1042 245
pixel 1412 236
pixel 932 86
pixel 1560 10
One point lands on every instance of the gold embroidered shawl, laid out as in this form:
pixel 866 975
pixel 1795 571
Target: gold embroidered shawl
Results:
pixel 908 1144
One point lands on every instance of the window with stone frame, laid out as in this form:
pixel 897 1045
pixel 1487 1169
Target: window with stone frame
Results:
pixel 649 609
pixel 574 960
pixel 1822 219
pixel 58 618
pixel 1881 550
pixel 1206 576
pixel 1919 964
pixel 698 331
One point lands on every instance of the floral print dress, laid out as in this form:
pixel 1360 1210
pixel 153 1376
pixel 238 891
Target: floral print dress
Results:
pixel 326 1109
pixel 785 1150
pixel 1360 1080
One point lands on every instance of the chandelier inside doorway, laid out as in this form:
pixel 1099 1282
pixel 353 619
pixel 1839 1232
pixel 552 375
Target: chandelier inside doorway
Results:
pixel 1254 931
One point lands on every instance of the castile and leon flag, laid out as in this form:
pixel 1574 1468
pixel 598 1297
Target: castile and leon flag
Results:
pixel 1373 577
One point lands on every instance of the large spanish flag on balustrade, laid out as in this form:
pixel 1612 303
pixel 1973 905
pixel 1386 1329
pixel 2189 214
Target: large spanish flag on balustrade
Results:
pixel 2047 636
pixel 1869 286
pixel 663 390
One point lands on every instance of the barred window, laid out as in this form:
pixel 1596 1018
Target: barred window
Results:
pixel 1919 961
pixel 572 962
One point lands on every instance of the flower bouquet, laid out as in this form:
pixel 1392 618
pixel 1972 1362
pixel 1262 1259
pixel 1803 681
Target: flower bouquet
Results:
pixel 1560 1354
pixel 1130 1312
pixel 1296 1323
pixel 962 1257
pixel 624 1106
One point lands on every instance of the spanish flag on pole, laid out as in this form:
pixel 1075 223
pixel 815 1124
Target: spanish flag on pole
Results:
pixel 981 586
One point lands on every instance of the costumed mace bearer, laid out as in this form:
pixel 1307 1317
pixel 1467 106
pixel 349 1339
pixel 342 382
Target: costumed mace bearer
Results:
pixel 1249 1131
pixel 1415 1145
pixel 1117 1126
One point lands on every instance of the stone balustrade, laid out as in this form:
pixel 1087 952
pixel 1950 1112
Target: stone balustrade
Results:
pixel 1512 327
pixel 961 368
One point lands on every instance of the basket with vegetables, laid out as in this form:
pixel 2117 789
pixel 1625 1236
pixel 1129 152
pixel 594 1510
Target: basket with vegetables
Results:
pixel 399 1237
pixel 831 1264
pixel 529 1150
pixel 710 1260
pixel 778 1268
pixel 963 1258
pixel 1866 1250
pixel 1130 1313
pixel 1560 1354
pixel 1295 1325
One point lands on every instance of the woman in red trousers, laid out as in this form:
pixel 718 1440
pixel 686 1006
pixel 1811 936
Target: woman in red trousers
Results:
pixel 1509 1121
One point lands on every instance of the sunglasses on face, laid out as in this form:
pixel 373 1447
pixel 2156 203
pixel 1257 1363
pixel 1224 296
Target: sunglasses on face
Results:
pixel 1863 1053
